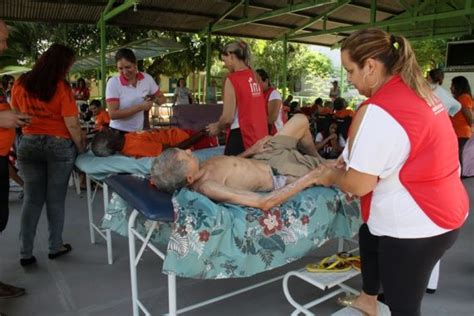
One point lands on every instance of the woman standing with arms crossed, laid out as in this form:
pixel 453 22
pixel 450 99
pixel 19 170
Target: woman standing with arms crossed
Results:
pixel 48 148
pixel 244 113
pixel 402 161
pixel 131 94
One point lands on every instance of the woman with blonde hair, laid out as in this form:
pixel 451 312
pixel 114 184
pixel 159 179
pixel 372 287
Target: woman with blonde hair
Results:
pixel 244 113
pixel 413 202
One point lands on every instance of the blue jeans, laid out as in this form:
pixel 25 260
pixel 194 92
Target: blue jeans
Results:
pixel 46 163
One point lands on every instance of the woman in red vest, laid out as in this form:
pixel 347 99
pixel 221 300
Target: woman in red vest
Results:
pixel 277 117
pixel 244 115
pixel 402 160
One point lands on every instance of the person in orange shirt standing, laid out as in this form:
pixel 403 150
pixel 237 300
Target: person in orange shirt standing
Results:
pixel 462 120
pixel 49 146
pixel 8 121
pixel 100 115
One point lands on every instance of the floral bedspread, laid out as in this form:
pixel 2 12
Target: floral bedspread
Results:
pixel 215 241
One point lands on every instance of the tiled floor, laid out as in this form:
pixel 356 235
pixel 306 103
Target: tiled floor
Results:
pixel 82 283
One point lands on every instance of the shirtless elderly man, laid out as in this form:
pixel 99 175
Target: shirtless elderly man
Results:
pixel 283 164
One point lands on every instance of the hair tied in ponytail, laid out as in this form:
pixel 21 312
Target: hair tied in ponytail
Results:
pixel 394 42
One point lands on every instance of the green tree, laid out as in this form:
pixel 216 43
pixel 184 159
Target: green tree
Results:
pixel 302 63
pixel 430 53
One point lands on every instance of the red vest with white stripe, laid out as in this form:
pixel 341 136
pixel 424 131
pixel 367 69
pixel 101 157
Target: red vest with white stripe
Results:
pixel 431 172
pixel 252 113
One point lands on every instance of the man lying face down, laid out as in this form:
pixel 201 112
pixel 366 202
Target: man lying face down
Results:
pixel 140 144
pixel 276 165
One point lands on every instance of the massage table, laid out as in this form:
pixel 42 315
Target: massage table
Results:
pixel 207 240
pixel 97 169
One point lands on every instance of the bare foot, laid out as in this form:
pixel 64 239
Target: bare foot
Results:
pixel 366 303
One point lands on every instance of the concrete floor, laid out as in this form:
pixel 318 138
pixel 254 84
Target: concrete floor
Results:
pixel 82 283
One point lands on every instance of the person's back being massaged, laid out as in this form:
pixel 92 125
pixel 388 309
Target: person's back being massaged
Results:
pixel 140 144
pixel 276 165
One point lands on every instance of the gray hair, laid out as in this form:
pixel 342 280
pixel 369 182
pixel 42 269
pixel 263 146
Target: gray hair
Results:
pixel 168 172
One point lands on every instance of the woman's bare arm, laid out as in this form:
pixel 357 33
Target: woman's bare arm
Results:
pixel 274 107
pixel 74 128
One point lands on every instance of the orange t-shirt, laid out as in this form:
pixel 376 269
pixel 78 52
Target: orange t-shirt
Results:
pixel 102 119
pixel 461 127
pixel 150 143
pixel 344 113
pixel 47 117
pixel 7 135
pixel 325 111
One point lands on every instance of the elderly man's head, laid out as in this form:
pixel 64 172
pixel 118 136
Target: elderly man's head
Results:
pixel 3 36
pixel 173 169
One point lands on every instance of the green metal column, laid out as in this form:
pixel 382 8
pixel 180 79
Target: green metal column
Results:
pixel 373 12
pixel 103 48
pixel 285 64
pixel 208 56
pixel 106 15
pixel 341 80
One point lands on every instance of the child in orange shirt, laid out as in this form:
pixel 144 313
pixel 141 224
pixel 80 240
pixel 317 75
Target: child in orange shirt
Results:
pixel 141 144
pixel 100 115
pixel 340 110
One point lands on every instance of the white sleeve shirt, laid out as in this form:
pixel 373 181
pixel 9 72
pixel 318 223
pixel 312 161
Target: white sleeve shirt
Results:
pixel 128 96
pixel 381 148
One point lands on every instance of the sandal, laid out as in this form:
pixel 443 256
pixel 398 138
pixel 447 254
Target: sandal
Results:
pixel 349 301
pixel 353 260
pixel 65 249
pixel 340 262
pixel 329 264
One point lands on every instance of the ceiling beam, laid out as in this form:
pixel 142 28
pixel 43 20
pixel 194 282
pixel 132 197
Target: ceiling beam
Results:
pixel 438 36
pixel 391 22
pixel 231 9
pixel 271 14
pixel 315 19
pixel 355 4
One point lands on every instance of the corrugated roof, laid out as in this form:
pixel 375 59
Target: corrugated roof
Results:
pixel 437 17
pixel 142 49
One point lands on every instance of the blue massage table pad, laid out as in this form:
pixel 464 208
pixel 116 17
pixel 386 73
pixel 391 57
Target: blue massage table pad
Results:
pixel 142 196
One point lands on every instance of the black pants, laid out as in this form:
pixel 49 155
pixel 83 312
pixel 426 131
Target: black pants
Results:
pixel 235 143
pixel 401 266
pixel 4 191
pixel 461 143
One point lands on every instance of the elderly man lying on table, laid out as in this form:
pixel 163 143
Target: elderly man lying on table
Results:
pixel 285 164
pixel 141 144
